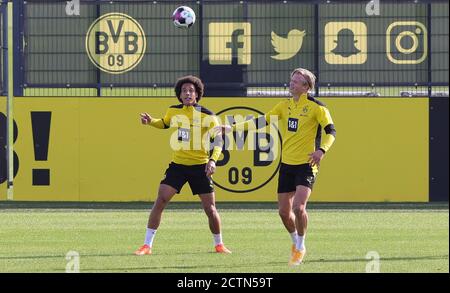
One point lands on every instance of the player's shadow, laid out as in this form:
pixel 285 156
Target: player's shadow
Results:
pixel 168 253
pixel 436 257
pixel 381 259
pixel 264 264
pixel 187 267
pixel 207 267
pixel 90 255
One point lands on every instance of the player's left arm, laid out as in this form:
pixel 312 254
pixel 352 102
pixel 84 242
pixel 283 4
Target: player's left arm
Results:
pixel 326 122
pixel 217 141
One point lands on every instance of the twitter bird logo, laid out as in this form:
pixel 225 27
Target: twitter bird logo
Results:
pixel 286 48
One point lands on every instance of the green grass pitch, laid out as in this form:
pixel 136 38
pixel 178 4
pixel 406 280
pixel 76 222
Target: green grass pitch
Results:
pixel 406 240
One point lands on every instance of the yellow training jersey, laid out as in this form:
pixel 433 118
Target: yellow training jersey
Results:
pixel 301 124
pixel 195 127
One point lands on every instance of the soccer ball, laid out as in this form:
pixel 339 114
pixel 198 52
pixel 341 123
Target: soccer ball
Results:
pixel 183 17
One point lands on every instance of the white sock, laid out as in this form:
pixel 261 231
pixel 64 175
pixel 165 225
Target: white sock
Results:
pixel 217 239
pixel 149 235
pixel 300 242
pixel 294 236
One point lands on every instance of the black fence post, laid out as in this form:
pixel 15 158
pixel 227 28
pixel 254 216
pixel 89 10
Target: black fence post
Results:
pixel 18 24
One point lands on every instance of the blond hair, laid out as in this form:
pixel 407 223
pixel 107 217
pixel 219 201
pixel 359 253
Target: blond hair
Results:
pixel 308 75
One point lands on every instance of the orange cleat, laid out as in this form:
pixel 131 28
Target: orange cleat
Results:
pixel 220 248
pixel 143 250
pixel 293 248
pixel 297 257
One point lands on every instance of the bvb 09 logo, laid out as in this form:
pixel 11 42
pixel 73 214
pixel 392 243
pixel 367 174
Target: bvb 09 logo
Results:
pixel 115 43
pixel 250 158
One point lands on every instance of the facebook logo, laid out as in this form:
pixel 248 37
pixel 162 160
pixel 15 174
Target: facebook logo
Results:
pixel 229 43
pixel 235 44
pixel 292 124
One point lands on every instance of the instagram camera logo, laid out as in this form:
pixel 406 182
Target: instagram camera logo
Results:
pixel 406 42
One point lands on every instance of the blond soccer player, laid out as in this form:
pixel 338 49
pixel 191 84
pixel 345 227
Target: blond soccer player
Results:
pixel 303 148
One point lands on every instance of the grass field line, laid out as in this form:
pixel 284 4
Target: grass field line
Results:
pixel 11 205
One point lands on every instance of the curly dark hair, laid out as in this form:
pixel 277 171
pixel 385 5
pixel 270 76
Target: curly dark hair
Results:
pixel 198 84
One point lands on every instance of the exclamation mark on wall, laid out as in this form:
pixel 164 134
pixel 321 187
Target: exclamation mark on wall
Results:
pixel 40 122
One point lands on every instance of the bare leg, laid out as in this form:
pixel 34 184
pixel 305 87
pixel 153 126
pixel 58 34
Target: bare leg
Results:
pixel 209 206
pixel 285 201
pixel 300 200
pixel 165 194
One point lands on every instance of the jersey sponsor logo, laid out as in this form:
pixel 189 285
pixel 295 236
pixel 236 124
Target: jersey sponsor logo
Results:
pixel 198 133
pixel 293 124
pixel 183 134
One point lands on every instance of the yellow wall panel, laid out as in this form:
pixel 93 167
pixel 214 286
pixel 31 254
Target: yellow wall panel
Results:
pixel 99 151
pixel 381 151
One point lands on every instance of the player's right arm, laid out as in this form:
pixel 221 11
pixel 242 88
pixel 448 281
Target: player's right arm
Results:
pixel 163 123
pixel 256 123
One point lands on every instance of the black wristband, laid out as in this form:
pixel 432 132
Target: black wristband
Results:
pixel 323 151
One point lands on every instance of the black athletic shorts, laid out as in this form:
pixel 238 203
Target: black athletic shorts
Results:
pixel 177 175
pixel 292 175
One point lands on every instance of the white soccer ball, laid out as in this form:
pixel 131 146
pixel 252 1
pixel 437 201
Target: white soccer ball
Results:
pixel 183 17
